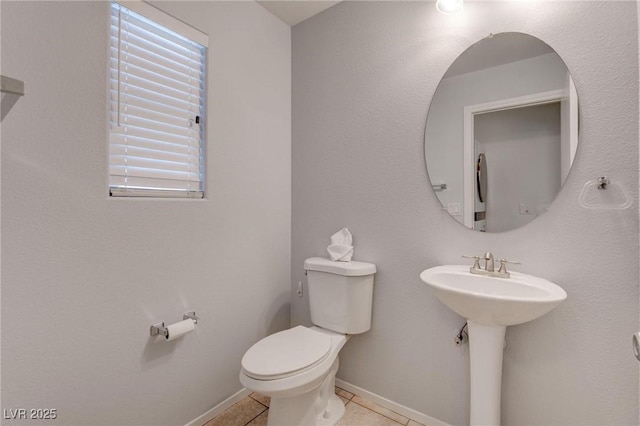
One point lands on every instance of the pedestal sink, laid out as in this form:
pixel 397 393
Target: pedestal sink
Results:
pixel 490 304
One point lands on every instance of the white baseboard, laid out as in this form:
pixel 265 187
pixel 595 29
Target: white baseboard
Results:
pixel 219 409
pixel 383 402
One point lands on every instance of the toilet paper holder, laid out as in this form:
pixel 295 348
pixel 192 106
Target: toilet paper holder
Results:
pixel 159 329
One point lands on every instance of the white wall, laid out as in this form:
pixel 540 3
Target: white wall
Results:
pixel 84 276
pixel 363 76
pixel 444 147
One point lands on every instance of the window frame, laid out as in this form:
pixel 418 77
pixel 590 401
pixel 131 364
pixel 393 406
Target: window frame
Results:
pixel 194 36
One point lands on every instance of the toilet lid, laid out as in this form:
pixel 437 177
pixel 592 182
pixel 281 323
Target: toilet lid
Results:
pixel 286 353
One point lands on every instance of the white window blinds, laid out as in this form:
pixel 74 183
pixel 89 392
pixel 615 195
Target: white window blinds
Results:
pixel 157 102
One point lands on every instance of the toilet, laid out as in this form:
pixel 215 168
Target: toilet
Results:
pixel 297 367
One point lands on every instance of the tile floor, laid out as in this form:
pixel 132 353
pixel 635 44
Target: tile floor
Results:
pixel 254 409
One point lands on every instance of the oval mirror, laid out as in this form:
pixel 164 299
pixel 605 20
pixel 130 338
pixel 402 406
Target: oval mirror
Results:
pixel 502 132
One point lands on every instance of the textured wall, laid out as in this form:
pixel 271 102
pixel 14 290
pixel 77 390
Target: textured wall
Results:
pixel 363 75
pixel 84 276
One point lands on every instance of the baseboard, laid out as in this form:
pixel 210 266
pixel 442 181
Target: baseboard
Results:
pixel 383 402
pixel 220 408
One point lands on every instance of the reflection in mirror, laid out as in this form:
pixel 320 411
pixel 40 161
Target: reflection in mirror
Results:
pixel 502 132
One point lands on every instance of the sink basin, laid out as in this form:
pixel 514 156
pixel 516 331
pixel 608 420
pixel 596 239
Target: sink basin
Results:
pixel 490 300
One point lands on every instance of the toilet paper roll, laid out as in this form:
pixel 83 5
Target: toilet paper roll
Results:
pixel 180 329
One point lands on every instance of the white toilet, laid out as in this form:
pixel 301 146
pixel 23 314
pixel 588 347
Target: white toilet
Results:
pixel 297 367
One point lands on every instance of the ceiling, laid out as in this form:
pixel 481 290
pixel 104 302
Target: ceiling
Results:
pixel 506 48
pixel 296 11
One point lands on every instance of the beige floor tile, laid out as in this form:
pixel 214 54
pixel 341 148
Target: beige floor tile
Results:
pixel 239 414
pixel 343 393
pixel 253 411
pixel 261 420
pixel 264 400
pixel 357 415
pixel 380 410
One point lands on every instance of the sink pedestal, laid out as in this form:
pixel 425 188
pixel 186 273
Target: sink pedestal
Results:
pixel 490 304
pixel 486 346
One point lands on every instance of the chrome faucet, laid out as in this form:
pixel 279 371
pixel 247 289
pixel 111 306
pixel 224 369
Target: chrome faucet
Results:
pixel 488 262
pixel 489 266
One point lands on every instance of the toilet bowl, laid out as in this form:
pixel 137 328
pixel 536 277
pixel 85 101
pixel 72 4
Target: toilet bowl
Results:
pixel 297 367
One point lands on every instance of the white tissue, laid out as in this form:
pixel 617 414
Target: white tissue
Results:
pixel 341 247
pixel 179 329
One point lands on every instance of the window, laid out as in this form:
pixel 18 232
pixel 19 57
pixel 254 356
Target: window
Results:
pixel 157 104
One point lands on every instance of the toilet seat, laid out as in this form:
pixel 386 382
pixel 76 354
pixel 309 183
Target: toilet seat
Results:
pixel 286 353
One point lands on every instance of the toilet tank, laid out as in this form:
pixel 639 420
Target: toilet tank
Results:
pixel 340 294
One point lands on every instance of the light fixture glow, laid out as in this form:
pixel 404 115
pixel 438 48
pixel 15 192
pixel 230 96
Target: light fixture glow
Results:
pixel 449 7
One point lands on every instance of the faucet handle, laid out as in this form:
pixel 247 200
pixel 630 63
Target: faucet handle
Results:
pixel 476 261
pixel 503 265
